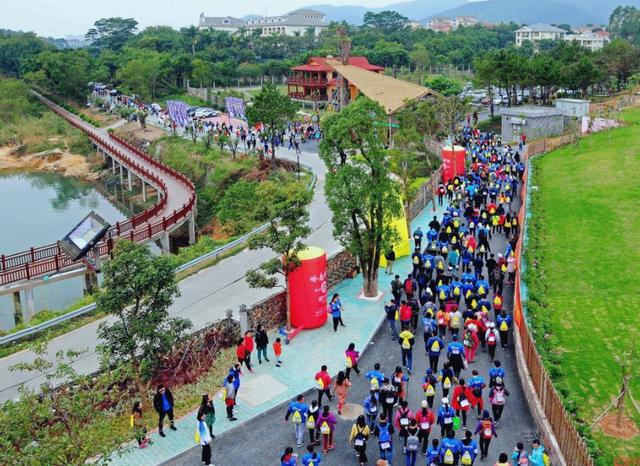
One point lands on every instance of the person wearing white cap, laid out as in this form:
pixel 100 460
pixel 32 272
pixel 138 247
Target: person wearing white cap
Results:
pixel 445 417
pixel 425 419
pixel 492 337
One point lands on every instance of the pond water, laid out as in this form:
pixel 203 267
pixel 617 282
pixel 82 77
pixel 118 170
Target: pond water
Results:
pixel 38 209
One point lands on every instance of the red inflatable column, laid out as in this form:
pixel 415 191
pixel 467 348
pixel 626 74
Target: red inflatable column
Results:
pixel 453 161
pixel 308 290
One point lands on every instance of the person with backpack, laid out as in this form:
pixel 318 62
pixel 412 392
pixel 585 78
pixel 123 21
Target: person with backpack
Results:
pixel 407 341
pixel 391 313
pixel 403 418
pixel 298 412
pixel 455 322
pixel 492 337
pixel 411 436
pixel 229 393
pixel 351 360
pixel 476 385
pixel 425 420
pixel 538 457
pixel 341 388
pixel 326 424
pixel 163 404
pixel 496 371
pixel 433 453
pixel 445 417
pixel 388 397
pixel 461 401
pixel 486 430
pixel 498 397
pixel 396 289
pixel 203 437
pixel 206 407
pixel 398 380
pixel 469 449
pixel 405 314
pixel 311 458
pixel 335 309
pixel 455 353
pixel 520 457
pixel 360 433
pixel 384 431
pixel 409 286
pixel 288 457
pixel 442 319
pixel 375 378
pixel 312 417
pixel 370 406
pixel 470 343
pixel 262 341
pixel 447 378
pixel 429 382
pixel 323 382
pixel 416 261
pixel 417 238
pixel 503 321
pixel 450 449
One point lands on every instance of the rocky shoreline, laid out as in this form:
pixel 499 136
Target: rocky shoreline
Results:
pixel 51 161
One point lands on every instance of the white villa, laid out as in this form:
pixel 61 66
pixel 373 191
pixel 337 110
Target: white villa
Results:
pixel 297 22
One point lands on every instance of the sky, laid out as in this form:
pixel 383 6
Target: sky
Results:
pixel 61 18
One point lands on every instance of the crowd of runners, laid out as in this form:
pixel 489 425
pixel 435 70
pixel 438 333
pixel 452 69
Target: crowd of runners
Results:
pixel 450 310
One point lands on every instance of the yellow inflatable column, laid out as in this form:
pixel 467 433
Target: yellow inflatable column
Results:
pixel 402 245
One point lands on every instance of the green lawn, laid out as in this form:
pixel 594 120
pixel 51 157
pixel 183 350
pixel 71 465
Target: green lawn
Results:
pixel 588 220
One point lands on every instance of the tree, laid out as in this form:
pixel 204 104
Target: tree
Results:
pixel 286 210
pixel 68 425
pixel 386 21
pixel 274 110
pixel 112 33
pixel 359 190
pixel 620 59
pixel 202 72
pixel 142 74
pixel 451 112
pixel 66 72
pixel 389 54
pixel 139 288
pixel 445 86
pixel 624 23
pixel 419 58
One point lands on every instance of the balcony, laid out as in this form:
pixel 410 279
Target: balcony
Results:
pixel 307 81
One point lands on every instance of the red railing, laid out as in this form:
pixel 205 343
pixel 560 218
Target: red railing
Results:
pixel 307 81
pixel 47 259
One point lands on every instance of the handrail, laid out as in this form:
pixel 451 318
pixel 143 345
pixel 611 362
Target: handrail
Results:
pixel 27 332
pixel 50 258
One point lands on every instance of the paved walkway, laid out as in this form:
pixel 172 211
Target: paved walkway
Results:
pixel 270 386
pixel 205 296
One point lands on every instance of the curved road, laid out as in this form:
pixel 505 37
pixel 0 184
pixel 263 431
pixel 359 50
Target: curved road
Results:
pixel 205 296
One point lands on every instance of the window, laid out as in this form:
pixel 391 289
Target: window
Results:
pixel 226 21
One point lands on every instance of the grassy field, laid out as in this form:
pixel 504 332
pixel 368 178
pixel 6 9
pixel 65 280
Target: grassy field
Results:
pixel 587 223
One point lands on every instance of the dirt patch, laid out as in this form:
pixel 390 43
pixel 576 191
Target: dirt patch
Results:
pixel 626 431
pixel 216 230
pixel 134 133
pixel 52 161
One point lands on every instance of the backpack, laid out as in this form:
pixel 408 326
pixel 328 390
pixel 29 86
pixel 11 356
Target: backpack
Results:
pixel 442 295
pixel 408 286
pixel 311 422
pixel 359 439
pixel 455 321
pixel 481 289
pixel 448 456
pixel 320 383
pixel 468 341
pixel 456 291
pixel 504 326
pixel 466 459
pixel 435 346
pixel 348 362
pixel 406 344
pixel 324 428
pixel 487 429
pixel 545 459
pixel 296 417
pixel 384 437
pixel 491 338
pixel 416 260
pixel 427 264
pixel 446 383
pixel 413 442
pixel 497 301
pixel 499 396
pixel 429 390
pixel 374 385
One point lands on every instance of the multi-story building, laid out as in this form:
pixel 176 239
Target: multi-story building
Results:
pixel 592 40
pixel 316 80
pixel 297 22
pixel 445 24
pixel 538 32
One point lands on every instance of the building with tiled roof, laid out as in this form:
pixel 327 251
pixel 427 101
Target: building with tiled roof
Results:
pixel 297 22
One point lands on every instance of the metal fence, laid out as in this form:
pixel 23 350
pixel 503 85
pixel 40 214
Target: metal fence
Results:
pixel 572 449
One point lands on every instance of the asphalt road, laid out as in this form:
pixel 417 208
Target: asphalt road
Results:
pixel 262 440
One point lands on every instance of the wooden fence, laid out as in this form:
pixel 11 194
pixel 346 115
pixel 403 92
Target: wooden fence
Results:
pixel 547 407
